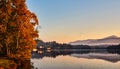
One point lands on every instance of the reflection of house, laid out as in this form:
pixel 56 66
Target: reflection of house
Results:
pixel 41 47
pixel 40 52
pixel 48 48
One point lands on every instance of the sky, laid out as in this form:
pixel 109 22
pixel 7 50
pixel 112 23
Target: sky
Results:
pixel 70 20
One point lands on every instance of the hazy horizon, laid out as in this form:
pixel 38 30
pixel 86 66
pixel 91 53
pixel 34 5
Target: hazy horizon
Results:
pixel 69 20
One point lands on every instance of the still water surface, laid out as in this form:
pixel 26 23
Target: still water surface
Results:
pixel 76 60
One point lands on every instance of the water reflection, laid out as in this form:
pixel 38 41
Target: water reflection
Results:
pixel 54 53
pixel 111 55
pixel 76 59
pixel 15 64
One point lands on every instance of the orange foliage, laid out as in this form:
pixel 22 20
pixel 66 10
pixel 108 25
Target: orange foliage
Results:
pixel 17 25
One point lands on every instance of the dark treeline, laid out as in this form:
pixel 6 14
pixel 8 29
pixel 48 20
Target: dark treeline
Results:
pixel 53 49
pixel 54 45
pixel 114 49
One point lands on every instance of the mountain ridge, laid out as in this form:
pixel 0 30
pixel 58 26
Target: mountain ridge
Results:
pixel 110 40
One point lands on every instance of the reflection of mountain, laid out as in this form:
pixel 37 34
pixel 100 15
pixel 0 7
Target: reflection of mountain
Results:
pixel 53 54
pixel 111 40
pixel 82 53
pixel 106 56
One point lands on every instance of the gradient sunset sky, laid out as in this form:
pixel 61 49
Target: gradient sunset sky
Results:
pixel 70 20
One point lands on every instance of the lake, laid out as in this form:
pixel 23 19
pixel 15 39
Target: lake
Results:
pixel 75 59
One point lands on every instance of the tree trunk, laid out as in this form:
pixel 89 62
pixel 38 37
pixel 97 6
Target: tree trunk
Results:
pixel 7 49
pixel 17 40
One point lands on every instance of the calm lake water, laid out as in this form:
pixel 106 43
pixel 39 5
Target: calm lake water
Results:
pixel 76 59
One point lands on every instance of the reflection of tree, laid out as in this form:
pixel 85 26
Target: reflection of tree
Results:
pixel 18 64
pixel 54 54
pixel 24 64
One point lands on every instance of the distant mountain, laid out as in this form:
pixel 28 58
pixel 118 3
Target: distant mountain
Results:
pixel 110 40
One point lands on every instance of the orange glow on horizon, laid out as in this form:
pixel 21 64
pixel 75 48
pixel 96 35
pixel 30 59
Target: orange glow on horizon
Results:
pixel 67 39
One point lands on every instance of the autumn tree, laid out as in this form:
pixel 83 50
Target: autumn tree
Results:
pixel 17 30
